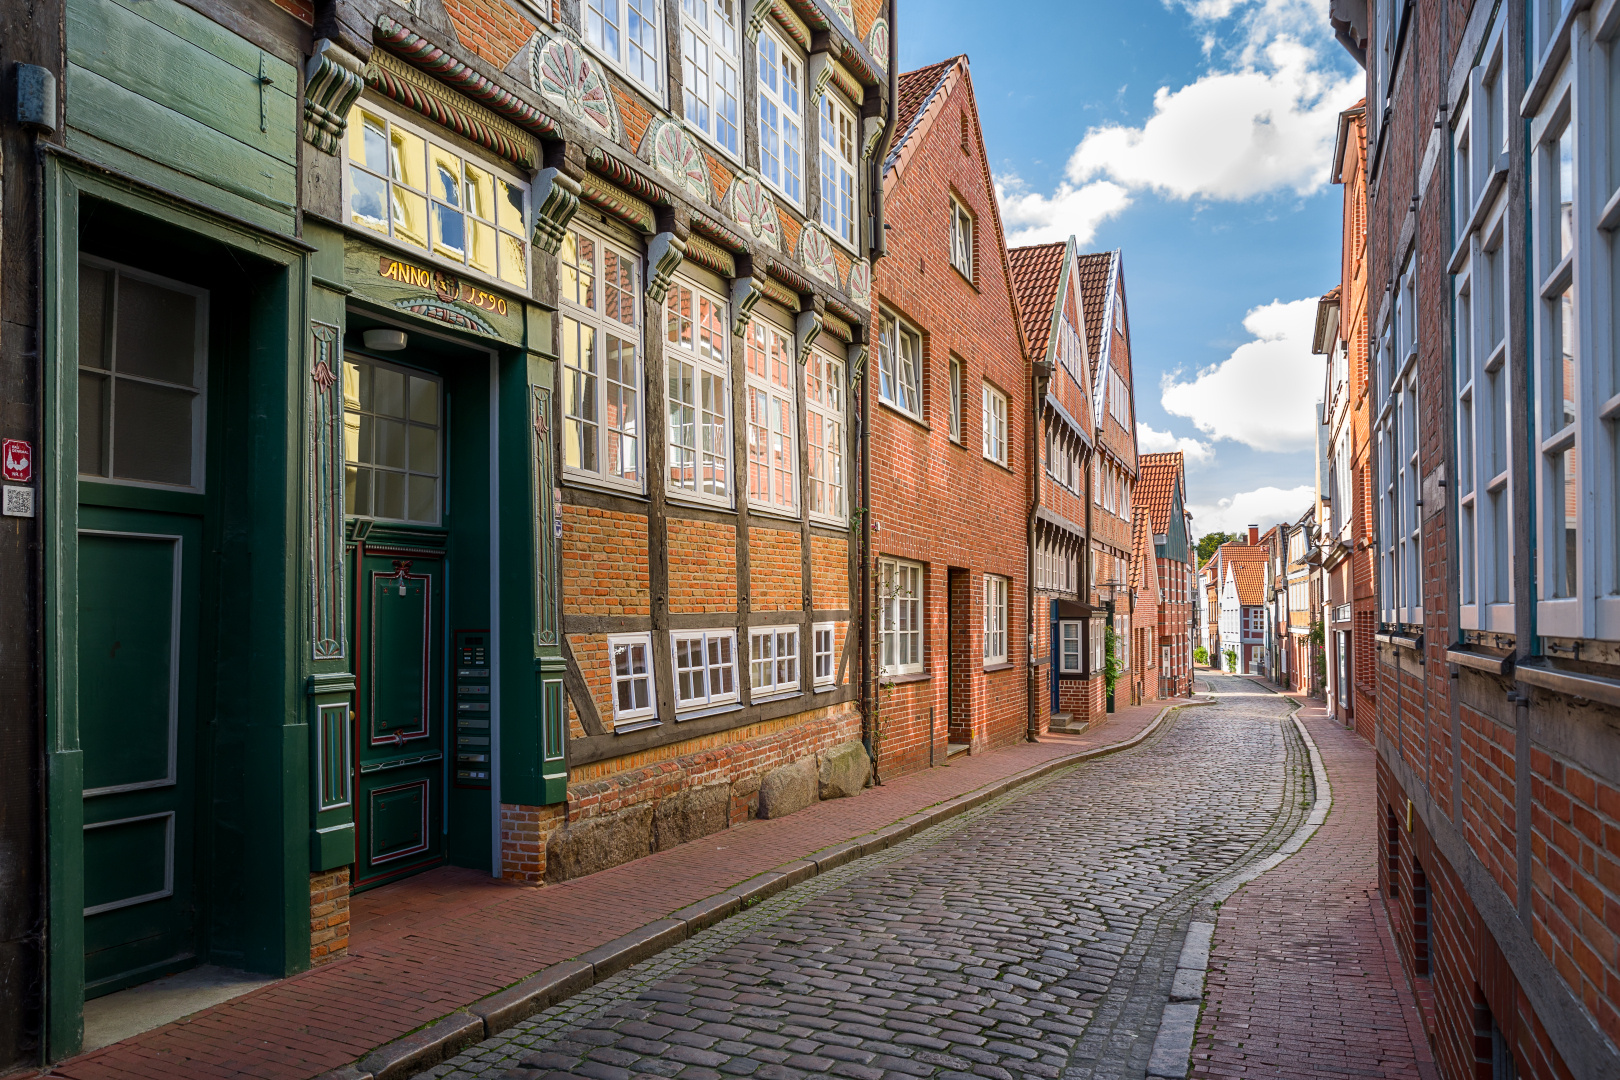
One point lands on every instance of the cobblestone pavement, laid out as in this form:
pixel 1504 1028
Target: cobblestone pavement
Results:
pixel 1036 935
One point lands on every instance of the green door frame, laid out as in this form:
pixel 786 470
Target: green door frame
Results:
pixel 277 928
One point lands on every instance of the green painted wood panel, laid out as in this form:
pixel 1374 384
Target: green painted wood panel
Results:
pixel 124 118
pixel 127 860
pixel 182 184
pixel 149 60
pixel 401 635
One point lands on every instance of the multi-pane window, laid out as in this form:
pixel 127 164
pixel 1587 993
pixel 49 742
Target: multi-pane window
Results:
pixel 961 239
pixel 822 636
pixel 773 654
pixel 1396 425
pixel 824 432
pixel 956 400
pixel 1056 569
pixel 899 365
pixel 1482 349
pixel 995 619
pixel 838 169
pixel 900 588
pixel 709 66
pixel 1071 351
pixel 419 192
pixel 143 358
pixel 1119 398
pixel 773 460
pixel 626 32
pixel 781 117
pixel 699 393
pixel 705 663
pixel 995 425
pixel 630 661
pixel 601 330
pixel 391 442
pixel 1071 654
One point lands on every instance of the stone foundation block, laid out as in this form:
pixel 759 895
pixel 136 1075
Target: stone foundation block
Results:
pixel 844 771
pixel 788 789
pixel 596 843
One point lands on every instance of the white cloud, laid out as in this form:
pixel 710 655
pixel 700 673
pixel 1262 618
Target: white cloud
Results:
pixel 1073 210
pixel 1150 441
pixel 1263 507
pixel 1264 395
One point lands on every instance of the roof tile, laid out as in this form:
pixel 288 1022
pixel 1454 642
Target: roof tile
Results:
pixel 1093 272
pixel 1156 487
pixel 917 88
pixel 1036 272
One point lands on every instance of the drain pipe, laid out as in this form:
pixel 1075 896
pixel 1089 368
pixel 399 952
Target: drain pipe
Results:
pixel 1041 375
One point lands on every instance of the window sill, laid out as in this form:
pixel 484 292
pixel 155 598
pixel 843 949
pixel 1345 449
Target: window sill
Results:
pixel 826 688
pixel 681 498
pixel 712 710
pixel 1000 665
pixel 625 727
pixel 965 277
pixel 1003 466
pixel 755 510
pixel 596 483
pixel 774 695
pixel 829 522
pixel 898 411
pixel 908 677
pixel 1540 672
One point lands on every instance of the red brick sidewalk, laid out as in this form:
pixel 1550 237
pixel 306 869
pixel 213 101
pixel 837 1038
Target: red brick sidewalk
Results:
pixel 424 947
pixel 1304 980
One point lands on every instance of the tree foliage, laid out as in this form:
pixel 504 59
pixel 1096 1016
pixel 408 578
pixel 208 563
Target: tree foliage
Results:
pixel 1208 544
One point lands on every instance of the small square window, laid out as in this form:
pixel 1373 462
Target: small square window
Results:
pixel 634 694
pixel 774 660
pixel 705 664
pixel 1071 654
pixel 822 637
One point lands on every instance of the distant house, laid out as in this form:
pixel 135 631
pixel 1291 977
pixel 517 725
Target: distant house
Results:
pixel 1243 607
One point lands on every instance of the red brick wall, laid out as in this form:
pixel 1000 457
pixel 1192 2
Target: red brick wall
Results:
pixel 604 562
pixel 489 28
pixel 829 573
pixel 702 566
pixel 328 916
pixel 775 572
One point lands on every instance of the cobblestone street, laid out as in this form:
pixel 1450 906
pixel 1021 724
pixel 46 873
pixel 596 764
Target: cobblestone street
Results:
pixel 1035 936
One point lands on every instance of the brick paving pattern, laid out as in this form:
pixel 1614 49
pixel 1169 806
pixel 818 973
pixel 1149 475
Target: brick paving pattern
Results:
pixel 1034 936
pixel 441 940
pixel 1304 981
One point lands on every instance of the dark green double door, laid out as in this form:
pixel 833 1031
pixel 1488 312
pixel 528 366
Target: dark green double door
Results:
pixel 399 782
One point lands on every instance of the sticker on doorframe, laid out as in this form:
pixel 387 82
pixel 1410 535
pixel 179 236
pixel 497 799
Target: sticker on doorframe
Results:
pixel 17 501
pixel 17 460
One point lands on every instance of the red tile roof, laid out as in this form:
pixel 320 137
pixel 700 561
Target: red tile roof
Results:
pixel 917 88
pixel 1036 272
pixel 1156 487
pixel 1250 578
pixel 1093 271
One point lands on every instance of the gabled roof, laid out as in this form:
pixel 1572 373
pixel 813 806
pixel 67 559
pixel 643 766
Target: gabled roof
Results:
pixel 1037 272
pixel 1095 270
pixel 1250 578
pixel 917 89
pixel 1156 484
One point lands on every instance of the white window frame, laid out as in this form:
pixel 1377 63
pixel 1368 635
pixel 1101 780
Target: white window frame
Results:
pixel 716 655
pixel 773 661
pixel 956 399
pixel 1071 350
pixel 995 425
pixel 1071 632
pixel 996 593
pixel 1482 350
pixel 824 656
pixel 576 317
pixel 773 452
pixel 697 357
pixel 825 397
pixel 510 234
pixel 900 588
pixel 840 179
pixel 637 716
pixel 1400 583
pixel 900 365
pixel 711 73
pixel 961 238
pixel 781 115
pixel 624 55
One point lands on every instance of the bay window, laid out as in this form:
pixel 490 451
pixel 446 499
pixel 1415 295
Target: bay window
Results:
pixel 600 324
pixel 696 360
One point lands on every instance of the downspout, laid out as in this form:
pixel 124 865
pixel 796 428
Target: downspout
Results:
pixel 1041 372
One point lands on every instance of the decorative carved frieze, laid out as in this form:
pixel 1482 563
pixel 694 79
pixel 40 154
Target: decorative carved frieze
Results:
pixel 752 206
pixel 605 164
pixel 664 256
pixel 708 254
pixel 604 196
pixel 568 75
pixel 758 12
pixel 672 150
pixel 859 289
pixel 776 290
pixel 877 44
pixel 326 494
pixel 833 326
pixel 333 79
pixel 815 254
pixel 406 43
pixel 556 200
pixel 845 12
pixel 399 82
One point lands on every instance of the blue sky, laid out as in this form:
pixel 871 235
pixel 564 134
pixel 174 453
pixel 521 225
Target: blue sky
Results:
pixel 1195 135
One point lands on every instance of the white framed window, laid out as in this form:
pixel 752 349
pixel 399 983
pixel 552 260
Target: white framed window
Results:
pixel 995 619
pixel 773 653
pixel 1482 349
pixel 627 33
pixel 773 459
pixel 1071 350
pixel 956 400
pixel 698 369
pixel 410 187
pixel 995 425
pixel 709 66
pixel 600 322
pixel 961 239
pixel 392 438
pixel 1125 496
pixel 1071 647
pixel 1099 645
pixel 900 599
pixel 705 663
pixel 781 117
pixel 1119 398
pixel 1396 426
pixel 635 696
pixel 825 671
pixel 899 365
pixel 824 398
pixel 838 172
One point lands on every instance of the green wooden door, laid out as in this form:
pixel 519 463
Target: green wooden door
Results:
pixel 400 730
pixel 142 388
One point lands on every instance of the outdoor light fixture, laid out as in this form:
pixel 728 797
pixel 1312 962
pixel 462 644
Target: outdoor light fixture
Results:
pixel 385 340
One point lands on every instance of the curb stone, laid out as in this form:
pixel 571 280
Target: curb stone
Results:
pixel 496 1012
pixel 1171 1058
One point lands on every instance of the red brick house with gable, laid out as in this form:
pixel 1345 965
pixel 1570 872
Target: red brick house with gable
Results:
pixel 949 442
pixel 1161 500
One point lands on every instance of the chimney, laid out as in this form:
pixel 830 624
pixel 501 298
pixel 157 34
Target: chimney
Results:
pixel 1254 536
